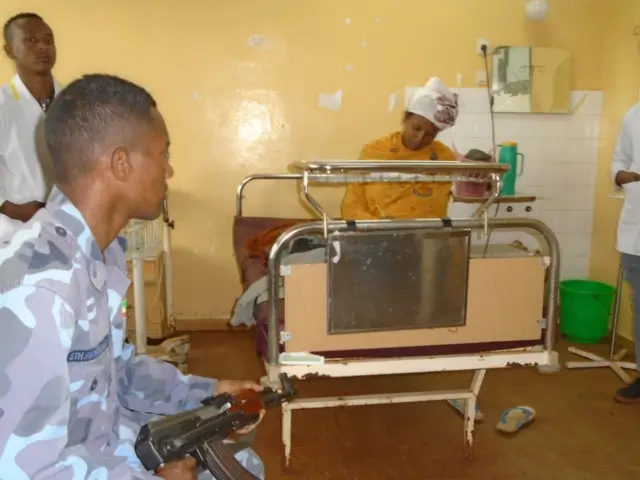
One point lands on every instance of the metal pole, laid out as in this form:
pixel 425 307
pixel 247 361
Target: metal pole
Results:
pixel 139 306
pixel 616 313
pixel 167 226
pixel 318 228
pixel 168 271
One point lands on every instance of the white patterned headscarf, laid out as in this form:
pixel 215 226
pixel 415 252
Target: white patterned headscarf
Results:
pixel 436 103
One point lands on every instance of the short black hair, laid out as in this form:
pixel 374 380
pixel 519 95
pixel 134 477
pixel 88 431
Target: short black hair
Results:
pixel 6 30
pixel 89 114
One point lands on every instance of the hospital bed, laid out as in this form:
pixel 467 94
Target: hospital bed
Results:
pixel 398 296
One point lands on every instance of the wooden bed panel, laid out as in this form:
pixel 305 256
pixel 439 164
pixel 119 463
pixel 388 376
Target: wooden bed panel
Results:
pixel 505 303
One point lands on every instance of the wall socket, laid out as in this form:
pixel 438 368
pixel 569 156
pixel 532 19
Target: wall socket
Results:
pixel 481 77
pixel 479 43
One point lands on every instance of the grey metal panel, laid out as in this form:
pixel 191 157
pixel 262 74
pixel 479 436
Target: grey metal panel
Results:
pixel 397 280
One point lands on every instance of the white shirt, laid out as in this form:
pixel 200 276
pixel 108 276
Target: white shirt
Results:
pixel 24 162
pixel 626 156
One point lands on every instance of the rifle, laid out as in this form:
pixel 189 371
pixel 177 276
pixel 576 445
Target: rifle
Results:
pixel 201 432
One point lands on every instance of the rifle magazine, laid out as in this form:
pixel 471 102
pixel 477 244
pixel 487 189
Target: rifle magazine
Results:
pixel 219 459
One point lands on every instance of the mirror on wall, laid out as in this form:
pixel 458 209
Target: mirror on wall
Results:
pixel 531 80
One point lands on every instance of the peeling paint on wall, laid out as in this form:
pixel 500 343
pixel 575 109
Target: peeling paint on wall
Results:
pixel 347 21
pixel 332 101
pixel 393 101
pixel 257 41
pixel 350 67
pixel 364 44
pixel 196 95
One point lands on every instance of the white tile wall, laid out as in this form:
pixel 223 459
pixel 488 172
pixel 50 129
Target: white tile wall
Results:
pixel 560 167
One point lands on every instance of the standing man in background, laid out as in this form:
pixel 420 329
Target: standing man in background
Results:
pixel 25 178
pixel 625 169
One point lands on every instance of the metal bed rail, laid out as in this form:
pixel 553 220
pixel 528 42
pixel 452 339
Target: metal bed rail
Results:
pixel 266 176
pixel 395 171
pixel 324 227
pixel 443 167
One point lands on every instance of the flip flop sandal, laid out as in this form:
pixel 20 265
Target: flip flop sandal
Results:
pixel 460 406
pixel 513 419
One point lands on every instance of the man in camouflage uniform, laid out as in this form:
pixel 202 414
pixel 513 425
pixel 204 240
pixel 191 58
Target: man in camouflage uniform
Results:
pixel 72 394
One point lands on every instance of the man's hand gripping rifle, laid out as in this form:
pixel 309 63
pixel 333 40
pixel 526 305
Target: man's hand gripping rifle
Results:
pixel 202 432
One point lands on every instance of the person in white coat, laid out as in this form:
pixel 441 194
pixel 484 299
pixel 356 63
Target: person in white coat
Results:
pixel 25 179
pixel 625 171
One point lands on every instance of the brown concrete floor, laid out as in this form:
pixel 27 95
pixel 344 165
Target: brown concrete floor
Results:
pixel 579 433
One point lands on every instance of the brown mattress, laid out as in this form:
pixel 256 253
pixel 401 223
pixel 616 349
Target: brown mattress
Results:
pixel 245 228
pixel 252 269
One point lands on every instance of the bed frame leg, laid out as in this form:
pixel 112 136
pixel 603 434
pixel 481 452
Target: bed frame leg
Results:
pixel 469 423
pixel 553 366
pixel 286 434
pixel 470 412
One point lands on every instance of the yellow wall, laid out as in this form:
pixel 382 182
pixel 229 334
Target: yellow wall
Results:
pixel 621 83
pixel 234 110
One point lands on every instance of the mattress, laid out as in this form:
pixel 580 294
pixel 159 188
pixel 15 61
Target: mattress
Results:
pixel 253 269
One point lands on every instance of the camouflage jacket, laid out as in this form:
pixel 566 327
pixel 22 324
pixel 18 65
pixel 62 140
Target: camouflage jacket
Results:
pixel 72 394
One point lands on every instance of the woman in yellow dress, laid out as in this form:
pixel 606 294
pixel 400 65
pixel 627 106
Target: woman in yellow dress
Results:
pixel 430 110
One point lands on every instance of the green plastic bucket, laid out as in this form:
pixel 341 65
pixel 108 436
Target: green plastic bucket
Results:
pixel 585 309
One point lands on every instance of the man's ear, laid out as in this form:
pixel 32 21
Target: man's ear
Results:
pixel 121 164
pixel 9 51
